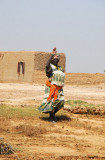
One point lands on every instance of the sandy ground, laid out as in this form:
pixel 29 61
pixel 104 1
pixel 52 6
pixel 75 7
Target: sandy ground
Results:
pixel 73 137
pixel 29 94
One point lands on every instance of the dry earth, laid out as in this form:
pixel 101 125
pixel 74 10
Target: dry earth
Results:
pixel 73 137
pixel 31 94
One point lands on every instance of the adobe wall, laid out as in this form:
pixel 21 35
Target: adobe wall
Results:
pixel 39 77
pixel 9 63
pixel 34 65
pixel 42 57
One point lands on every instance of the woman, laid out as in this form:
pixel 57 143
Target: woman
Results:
pixel 54 98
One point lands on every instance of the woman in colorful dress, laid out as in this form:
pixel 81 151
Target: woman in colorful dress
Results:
pixel 53 99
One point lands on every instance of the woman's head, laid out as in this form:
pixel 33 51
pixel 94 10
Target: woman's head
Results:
pixel 55 59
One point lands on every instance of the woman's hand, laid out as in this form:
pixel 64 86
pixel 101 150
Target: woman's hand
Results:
pixel 54 51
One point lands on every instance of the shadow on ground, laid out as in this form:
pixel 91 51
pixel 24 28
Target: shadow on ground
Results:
pixel 58 118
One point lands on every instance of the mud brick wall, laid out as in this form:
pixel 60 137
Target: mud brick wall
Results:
pixel 9 64
pixel 34 65
pixel 41 58
pixel 85 79
pixel 39 77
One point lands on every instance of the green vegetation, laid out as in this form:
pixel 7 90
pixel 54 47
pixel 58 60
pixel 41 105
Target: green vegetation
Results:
pixel 80 103
pixel 18 112
pixel 76 102
pixel 24 112
pixel 76 106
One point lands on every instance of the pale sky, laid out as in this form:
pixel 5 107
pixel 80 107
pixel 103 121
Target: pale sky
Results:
pixel 75 27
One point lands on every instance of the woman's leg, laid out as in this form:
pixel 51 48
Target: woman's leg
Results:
pixel 52 116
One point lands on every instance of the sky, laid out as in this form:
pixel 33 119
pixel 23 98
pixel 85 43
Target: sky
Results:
pixel 74 27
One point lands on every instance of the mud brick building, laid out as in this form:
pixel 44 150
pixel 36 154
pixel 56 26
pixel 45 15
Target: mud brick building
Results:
pixel 24 66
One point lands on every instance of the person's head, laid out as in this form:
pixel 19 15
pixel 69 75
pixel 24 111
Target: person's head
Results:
pixel 55 59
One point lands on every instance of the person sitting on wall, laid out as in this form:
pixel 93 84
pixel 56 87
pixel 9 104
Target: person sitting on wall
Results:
pixel 53 99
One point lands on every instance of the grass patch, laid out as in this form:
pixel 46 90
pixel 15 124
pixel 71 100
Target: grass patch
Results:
pixel 75 106
pixel 76 102
pixel 25 112
pixel 18 112
pixel 80 103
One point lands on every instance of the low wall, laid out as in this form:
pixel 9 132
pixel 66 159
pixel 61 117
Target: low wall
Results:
pixel 39 77
pixel 41 58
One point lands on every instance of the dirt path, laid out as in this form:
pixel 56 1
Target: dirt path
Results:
pixel 76 137
pixel 73 137
pixel 30 94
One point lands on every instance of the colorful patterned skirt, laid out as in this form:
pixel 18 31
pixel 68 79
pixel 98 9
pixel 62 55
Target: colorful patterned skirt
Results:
pixel 51 106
